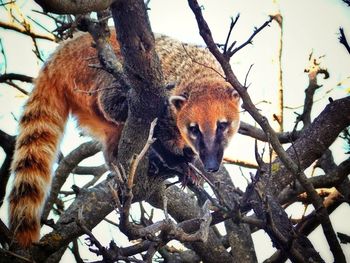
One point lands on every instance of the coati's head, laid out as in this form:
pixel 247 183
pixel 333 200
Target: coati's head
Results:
pixel 207 119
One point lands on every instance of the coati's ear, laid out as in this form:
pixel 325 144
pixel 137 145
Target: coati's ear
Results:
pixel 178 101
pixel 233 93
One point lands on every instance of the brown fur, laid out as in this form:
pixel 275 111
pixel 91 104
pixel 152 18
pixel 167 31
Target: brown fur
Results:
pixel 66 85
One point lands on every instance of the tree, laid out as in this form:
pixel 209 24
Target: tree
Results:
pixel 275 184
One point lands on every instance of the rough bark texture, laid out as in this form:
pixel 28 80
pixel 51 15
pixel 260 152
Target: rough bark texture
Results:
pixel 74 7
pixel 313 142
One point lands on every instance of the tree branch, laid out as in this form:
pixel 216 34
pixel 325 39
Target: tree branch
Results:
pixel 25 31
pixel 7 142
pixel 65 167
pixel 231 51
pixel 343 40
pixel 74 7
pixel 284 157
pixel 331 179
pixel 13 76
pixel 259 134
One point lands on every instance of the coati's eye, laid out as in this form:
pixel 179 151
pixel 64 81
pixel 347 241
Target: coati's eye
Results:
pixel 222 126
pixel 194 129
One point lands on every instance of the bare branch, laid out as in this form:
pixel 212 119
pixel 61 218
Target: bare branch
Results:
pixel 14 255
pixel 242 163
pixel 100 33
pixel 232 25
pixel 25 31
pixel 231 51
pixel 345 239
pixel 75 251
pixel 102 250
pixel 285 158
pixel 259 134
pixel 12 84
pixel 136 160
pixel 313 70
pixel 13 76
pixel 3 54
pixel 7 3
pixel 332 178
pixel 74 7
pixel 343 40
pixel 65 167
pixel 7 142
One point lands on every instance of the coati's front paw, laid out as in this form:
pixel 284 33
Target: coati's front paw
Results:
pixel 189 155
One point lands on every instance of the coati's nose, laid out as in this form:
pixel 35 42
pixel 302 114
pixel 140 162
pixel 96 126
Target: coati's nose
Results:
pixel 211 165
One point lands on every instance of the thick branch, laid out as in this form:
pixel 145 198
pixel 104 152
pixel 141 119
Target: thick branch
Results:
pixel 182 207
pixel 142 68
pixel 74 7
pixel 7 142
pixel 65 167
pixel 259 134
pixel 331 179
pixel 313 141
pixel 100 33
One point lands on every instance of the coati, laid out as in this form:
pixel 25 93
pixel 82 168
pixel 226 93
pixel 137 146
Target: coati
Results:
pixel 204 107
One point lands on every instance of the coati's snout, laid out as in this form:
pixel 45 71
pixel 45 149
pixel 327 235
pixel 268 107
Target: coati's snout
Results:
pixel 211 158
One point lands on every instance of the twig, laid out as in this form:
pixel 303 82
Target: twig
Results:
pixel 201 64
pixel 3 54
pixel 102 250
pixel 40 25
pixel 343 40
pixel 12 84
pixel 197 171
pixel 246 76
pixel 26 32
pixel 313 71
pixel 14 76
pixel 16 255
pixel 7 3
pixel 232 25
pixel 242 163
pixel 345 239
pixel 75 251
pixel 138 158
pixel 230 52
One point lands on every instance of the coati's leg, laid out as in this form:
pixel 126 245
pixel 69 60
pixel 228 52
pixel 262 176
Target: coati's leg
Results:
pixel 110 147
pixel 113 102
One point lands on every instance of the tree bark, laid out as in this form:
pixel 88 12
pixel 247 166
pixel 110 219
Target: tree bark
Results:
pixel 74 7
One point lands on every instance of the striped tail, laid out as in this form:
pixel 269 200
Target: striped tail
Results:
pixel 40 131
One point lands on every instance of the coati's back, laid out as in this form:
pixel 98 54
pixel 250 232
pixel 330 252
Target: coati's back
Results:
pixel 69 83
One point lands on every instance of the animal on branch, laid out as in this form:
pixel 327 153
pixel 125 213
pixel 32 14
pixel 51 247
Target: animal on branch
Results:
pixel 203 110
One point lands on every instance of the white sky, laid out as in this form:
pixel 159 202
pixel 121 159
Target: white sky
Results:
pixel 308 26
